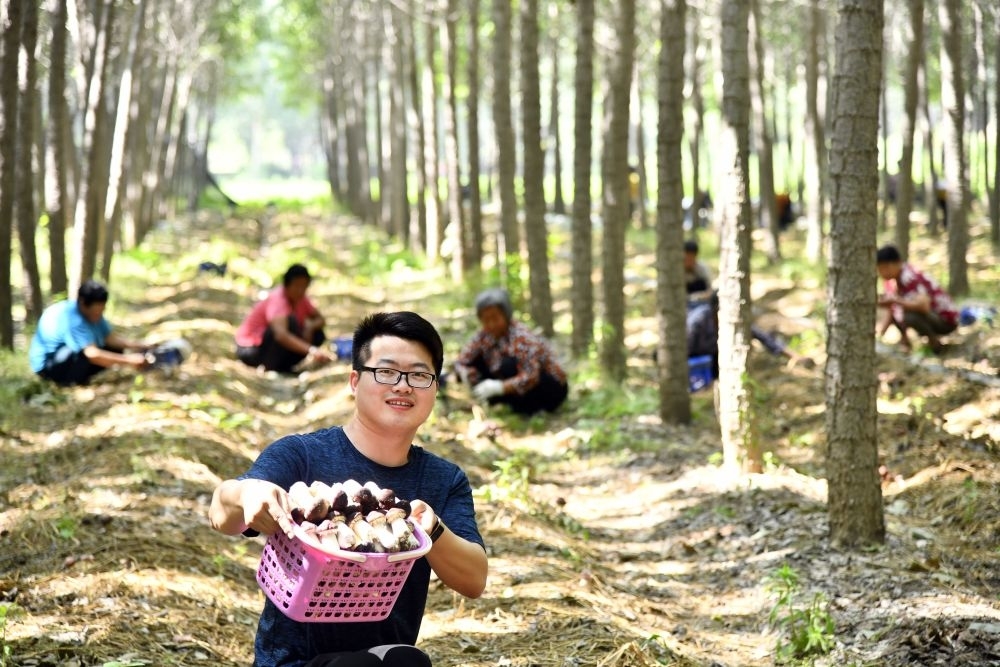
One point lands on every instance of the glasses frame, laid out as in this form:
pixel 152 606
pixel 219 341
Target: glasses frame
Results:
pixel 400 375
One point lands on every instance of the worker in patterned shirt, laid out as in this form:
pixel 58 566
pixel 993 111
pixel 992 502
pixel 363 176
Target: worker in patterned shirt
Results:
pixel 912 300
pixel 506 363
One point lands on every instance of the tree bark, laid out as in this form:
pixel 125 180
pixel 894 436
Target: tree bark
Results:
pixel 475 255
pixel 58 153
pixel 455 233
pixel 733 391
pixel 27 157
pixel 510 237
pixel 855 495
pixel 582 233
pixel 911 92
pixel 536 235
pixel 615 192
pixel 762 134
pixel 671 297
pixel 555 108
pixel 10 39
pixel 816 164
pixel 953 139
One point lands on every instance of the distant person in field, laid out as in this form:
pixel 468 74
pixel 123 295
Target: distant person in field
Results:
pixel 285 328
pixel 912 300
pixel 506 363
pixel 73 341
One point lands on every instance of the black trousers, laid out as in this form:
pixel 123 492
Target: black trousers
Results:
pixel 67 368
pixel 380 656
pixel 272 355
pixel 547 395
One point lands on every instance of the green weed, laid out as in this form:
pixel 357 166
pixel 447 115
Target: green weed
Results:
pixel 805 630
pixel 65 527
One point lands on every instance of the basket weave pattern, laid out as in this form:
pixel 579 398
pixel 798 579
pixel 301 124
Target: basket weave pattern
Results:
pixel 312 585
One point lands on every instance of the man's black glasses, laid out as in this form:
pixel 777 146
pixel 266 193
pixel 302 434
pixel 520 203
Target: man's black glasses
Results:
pixel 416 379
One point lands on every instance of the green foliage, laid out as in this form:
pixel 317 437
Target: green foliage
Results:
pixel 806 631
pixel 8 610
pixel 512 479
pixel 374 258
pixel 65 527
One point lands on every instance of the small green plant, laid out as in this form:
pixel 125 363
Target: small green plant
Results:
pixel 804 630
pixel 66 527
pixel 512 479
pixel 7 611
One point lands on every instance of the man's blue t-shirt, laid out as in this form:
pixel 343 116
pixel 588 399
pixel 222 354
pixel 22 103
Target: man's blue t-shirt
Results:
pixel 328 456
pixel 63 325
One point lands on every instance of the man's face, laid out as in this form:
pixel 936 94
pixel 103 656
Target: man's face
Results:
pixel 94 312
pixel 689 259
pixel 296 289
pixel 398 406
pixel 889 270
pixel 493 321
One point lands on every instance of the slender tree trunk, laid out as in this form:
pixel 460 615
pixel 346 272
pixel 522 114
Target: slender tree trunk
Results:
pixel 671 349
pixel 58 153
pixel 697 103
pixel 953 140
pixel 555 134
pixel 397 191
pixel 475 257
pixel 639 141
pixel 536 234
pixel 510 239
pixel 26 210
pixel 911 82
pixel 10 39
pixel 855 495
pixel 762 134
pixel 815 167
pixel 615 177
pixel 995 198
pixel 733 391
pixel 418 223
pixel 437 217
pixel 582 308
pixel 456 232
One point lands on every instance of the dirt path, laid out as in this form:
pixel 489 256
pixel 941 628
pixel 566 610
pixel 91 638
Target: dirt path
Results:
pixel 613 541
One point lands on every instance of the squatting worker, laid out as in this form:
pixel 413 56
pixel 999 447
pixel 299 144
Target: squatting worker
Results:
pixel 285 328
pixel 506 363
pixel 912 300
pixel 74 342
pixel 397 359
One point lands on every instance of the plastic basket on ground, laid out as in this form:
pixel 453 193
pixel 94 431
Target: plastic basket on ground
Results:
pixel 699 372
pixel 344 346
pixel 316 585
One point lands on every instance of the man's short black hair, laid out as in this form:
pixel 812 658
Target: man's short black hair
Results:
pixel 294 272
pixel 92 292
pixel 888 253
pixel 401 324
pixel 691 247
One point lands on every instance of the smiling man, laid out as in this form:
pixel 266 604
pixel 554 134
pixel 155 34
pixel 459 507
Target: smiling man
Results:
pixel 397 359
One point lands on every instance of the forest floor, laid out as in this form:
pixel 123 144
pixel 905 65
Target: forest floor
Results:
pixel 614 539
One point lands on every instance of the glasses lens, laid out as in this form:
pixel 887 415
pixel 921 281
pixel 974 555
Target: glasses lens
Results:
pixel 387 375
pixel 420 380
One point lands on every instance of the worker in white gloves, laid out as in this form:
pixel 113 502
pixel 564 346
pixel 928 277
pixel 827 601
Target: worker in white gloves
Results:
pixel 506 363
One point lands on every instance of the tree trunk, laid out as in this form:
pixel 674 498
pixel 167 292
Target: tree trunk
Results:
pixel 10 39
pixel 27 157
pixel 697 103
pixel 734 392
pixel 417 124
pixel 953 140
pixel 437 215
pixel 510 238
pixel 582 233
pixel 397 188
pixel 534 172
pixel 475 256
pixel 555 108
pixel 855 495
pixel 455 233
pixel 762 134
pixel 911 81
pixel 995 192
pixel 671 349
pixel 816 165
pixel 58 152
pixel 615 192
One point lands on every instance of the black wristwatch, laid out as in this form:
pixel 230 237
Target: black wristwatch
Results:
pixel 437 531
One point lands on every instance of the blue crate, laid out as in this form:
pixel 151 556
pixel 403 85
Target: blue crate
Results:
pixel 344 347
pixel 699 372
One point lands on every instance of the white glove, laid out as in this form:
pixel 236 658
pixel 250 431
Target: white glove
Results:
pixel 487 389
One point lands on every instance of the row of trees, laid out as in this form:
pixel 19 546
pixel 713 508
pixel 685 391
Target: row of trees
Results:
pixel 430 111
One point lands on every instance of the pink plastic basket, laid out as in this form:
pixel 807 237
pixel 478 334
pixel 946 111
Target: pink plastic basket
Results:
pixel 314 585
